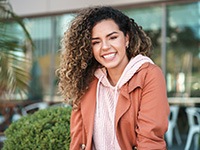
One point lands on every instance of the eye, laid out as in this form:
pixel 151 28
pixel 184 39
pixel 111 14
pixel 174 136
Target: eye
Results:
pixel 95 42
pixel 113 37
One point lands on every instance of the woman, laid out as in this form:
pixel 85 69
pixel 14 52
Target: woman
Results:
pixel 118 94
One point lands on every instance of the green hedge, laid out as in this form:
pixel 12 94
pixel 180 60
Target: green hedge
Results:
pixel 47 129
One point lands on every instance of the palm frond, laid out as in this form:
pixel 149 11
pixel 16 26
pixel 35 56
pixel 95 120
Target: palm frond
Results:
pixel 10 15
pixel 14 64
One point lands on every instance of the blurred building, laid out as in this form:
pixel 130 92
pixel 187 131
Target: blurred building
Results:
pixel 173 25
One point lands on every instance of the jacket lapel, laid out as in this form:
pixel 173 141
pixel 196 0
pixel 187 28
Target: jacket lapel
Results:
pixel 123 103
pixel 88 105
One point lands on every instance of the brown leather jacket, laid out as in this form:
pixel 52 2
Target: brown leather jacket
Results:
pixel 141 118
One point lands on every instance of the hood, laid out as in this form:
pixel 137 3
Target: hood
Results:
pixel 132 67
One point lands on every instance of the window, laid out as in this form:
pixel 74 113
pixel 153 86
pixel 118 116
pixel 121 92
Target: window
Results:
pixel 183 53
pixel 46 33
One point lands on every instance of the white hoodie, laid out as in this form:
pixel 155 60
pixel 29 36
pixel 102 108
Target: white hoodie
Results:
pixel 104 135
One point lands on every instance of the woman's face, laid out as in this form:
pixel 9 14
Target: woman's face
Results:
pixel 109 45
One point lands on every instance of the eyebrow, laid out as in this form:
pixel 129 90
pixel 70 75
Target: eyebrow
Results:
pixel 106 35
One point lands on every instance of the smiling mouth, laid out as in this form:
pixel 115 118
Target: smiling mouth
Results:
pixel 109 56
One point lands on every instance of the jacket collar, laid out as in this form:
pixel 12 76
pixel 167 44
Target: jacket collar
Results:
pixel 135 81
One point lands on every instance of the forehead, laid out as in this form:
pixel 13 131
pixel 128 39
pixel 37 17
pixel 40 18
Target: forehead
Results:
pixel 104 27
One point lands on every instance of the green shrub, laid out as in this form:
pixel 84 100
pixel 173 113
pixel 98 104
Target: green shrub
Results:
pixel 47 129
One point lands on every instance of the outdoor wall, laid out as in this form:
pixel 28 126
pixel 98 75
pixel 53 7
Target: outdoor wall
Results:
pixel 39 7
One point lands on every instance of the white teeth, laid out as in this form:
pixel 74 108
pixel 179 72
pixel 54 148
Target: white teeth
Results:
pixel 109 56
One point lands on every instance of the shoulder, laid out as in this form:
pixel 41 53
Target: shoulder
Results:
pixel 147 72
pixel 149 67
pixel 90 92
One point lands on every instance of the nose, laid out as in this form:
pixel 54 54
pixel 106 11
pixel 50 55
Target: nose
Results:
pixel 105 45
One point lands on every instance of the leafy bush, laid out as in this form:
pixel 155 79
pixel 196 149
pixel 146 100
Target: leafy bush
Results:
pixel 47 129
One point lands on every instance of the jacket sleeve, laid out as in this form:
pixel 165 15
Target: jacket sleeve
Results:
pixel 76 129
pixel 152 122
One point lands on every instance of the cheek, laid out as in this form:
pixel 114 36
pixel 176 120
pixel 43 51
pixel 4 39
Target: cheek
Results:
pixel 120 43
pixel 95 53
pixel 121 47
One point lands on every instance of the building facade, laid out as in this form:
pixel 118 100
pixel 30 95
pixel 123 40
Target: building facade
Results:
pixel 173 25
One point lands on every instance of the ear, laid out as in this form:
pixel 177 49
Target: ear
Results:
pixel 127 40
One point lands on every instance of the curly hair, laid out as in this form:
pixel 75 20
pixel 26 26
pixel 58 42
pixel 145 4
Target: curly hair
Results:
pixel 77 65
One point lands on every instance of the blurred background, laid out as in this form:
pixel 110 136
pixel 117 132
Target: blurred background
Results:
pixel 30 35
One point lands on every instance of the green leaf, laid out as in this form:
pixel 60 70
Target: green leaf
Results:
pixel 14 64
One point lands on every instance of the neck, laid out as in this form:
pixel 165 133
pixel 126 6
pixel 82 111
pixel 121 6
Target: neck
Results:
pixel 113 76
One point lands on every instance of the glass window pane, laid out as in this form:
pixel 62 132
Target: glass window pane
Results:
pixel 41 32
pixel 183 53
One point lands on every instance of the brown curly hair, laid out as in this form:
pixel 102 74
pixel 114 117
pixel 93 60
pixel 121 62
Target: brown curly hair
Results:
pixel 77 65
